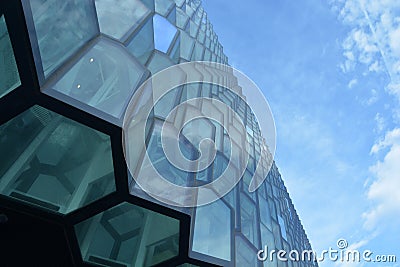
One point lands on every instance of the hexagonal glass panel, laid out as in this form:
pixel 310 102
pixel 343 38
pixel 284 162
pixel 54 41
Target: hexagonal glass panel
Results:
pixel 128 235
pixel 62 27
pixel 164 33
pixel 118 18
pixel 105 78
pixel 54 162
pixel 9 77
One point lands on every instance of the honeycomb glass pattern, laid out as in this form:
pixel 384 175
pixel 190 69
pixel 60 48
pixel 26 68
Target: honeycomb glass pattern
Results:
pixel 128 235
pixel 54 162
pixel 93 55
pixel 9 77
pixel 62 27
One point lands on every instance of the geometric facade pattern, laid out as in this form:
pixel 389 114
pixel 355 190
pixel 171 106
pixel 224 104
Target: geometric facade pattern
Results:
pixel 68 70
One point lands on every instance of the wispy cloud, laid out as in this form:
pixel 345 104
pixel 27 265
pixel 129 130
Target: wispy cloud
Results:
pixel 352 83
pixel 372 46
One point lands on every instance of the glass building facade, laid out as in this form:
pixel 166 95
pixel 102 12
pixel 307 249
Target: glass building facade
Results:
pixel 68 70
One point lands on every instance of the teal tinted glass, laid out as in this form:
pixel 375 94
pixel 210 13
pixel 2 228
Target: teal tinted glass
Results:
pixel 246 255
pixel 119 17
pixel 54 162
pixel 114 75
pixel 142 43
pixel 249 220
pixel 9 77
pixel 128 235
pixel 62 27
pixel 212 230
pixel 164 7
pixel 161 162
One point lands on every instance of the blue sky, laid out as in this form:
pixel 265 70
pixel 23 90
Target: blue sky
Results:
pixel 331 73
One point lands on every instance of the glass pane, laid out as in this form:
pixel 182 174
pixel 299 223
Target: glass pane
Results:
pixel 54 162
pixel 128 235
pixel 163 7
pixel 187 45
pixel 118 17
pixel 248 214
pixel 160 161
pixel 265 214
pixel 181 18
pixel 164 33
pixel 62 27
pixel 9 77
pixel 158 62
pixel 247 177
pixel 246 255
pixel 283 227
pixel 104 78
pixel 212 230
pixel 142 44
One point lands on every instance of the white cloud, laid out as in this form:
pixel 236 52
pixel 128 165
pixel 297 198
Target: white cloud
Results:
pixel 352 83
pixel 373 98
pixel 374 40
pixel 383 192
pixel 392 137
pixel 380 122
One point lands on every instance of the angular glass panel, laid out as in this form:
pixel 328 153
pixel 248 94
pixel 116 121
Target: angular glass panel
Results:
pixel 174 52
pixel 283 227
pixel 179 3
pixel 158 62
pixel 119 17
pixel 9 77
pixel 160 161
pixel 54 162
pixel 265 214
pixel 246 255
pixel 249 222
pixel 128 235
pixel 62 27
pixel 164 33
pixel 212 231
pixel 164 7
pixel 268 243
pixel 104 78
pixel 167 102
pixel 220 164
pixel 142 43
pixel 246 183
pixel 181 19
pixel 187 45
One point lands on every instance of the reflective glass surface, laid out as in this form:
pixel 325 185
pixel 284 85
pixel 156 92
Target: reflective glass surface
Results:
pixel 128 235
pixel 246 254
pixel 62 27
pixel 119 17
pixel 142 44
pixel 9 77
pixel 54 162
pixel 114 76
pixel 164 33
pixel 212 233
